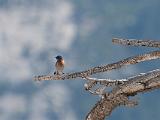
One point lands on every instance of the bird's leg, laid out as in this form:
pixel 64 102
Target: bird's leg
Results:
pixel 56 73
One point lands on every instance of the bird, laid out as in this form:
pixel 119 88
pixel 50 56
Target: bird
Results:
pixel 59 65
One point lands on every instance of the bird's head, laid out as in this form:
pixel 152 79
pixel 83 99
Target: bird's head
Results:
pixel 59 57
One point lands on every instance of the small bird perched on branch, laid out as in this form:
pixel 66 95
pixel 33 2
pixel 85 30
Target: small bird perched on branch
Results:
pixel 59 65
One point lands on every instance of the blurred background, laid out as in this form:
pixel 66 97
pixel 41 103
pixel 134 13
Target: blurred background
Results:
pixel 33 32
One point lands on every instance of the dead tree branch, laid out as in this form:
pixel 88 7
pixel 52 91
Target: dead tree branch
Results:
pixel 105 68
pixel 107 82
pixel 134 42
pixel 120 94
pixel 104 83
pixel 122 89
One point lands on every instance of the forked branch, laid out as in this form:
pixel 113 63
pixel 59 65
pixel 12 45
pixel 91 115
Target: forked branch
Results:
pixel 121 90
pixel 120 94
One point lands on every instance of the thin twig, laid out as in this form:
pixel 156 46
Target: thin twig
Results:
pixel 105 80
pixel 134 42
pixel 104 83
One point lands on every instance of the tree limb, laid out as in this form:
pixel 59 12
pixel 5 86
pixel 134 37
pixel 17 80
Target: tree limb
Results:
pixel 134 42
pixel 103 83
pixel 104 68
pixel 121 89
pixel 120 94
pixel 106 82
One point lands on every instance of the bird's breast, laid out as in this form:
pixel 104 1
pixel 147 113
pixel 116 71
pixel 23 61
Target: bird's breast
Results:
pixel 60 63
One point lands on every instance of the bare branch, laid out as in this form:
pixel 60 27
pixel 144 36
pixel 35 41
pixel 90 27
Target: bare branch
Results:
pixel 99 69
pixel 104 83
pixel 105 106
pixel 134 42
pixel 107 82
pixel 122 89
pixel 120 94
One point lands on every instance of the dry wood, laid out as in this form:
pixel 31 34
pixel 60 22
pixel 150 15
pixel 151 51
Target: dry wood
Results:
pixel 120 94
pixel 134 42
pixel 121 89
pixel 99 69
